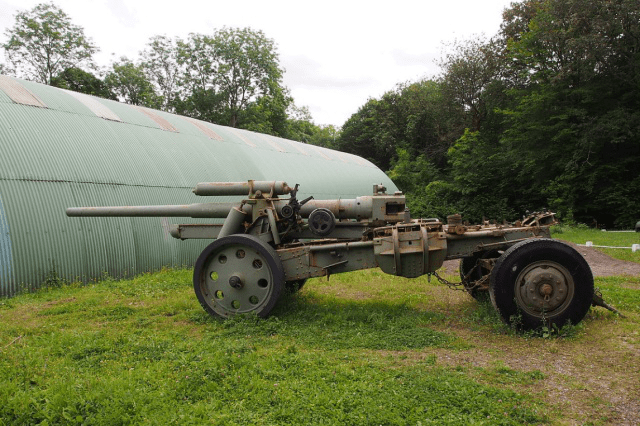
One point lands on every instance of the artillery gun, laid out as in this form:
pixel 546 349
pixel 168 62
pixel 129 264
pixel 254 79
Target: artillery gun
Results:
pixel 267 244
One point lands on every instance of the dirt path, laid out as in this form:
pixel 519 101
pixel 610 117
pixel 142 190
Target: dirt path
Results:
pixel 602 265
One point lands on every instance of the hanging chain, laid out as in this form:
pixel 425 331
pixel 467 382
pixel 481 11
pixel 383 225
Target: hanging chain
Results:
pixel 464 285
pixel 452 286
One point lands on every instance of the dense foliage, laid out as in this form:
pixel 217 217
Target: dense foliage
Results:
pixel 545 114
pixel 231 77
pixel 44 42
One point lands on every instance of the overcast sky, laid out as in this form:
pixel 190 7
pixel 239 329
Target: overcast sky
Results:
pixel 336 54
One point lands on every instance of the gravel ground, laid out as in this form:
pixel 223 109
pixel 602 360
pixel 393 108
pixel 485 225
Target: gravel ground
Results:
pixel 602 265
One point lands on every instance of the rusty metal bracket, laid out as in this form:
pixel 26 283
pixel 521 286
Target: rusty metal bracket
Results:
pixel 327 268
pixel 599 301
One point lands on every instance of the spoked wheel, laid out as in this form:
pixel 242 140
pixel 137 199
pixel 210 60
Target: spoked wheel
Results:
pixel 541 282
pixel 478 292
pixel 238 274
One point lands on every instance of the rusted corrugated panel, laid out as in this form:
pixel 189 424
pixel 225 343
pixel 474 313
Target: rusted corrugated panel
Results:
pixel 204 128
pixel 18 93
pixel 319 151
pixel 297 145
pixel 164 124
pixel 241 135
pixel 272 141
pixel 94 105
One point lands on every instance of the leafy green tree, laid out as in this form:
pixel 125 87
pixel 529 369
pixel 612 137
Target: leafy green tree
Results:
pixel 415 117
pixel 364 134
pixel 323 135
pixel 468 71
pixel 44 42
pixel 130 84
pixel 82 81
pixel 574 119
pixel 160 62
pixel 227 72
pixel 267 114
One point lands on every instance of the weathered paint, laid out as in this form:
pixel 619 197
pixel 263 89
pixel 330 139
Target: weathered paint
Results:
pixel 6 255
pixel 62 149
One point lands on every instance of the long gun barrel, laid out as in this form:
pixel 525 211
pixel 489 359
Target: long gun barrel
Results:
pixel 357 208
pixel 203 210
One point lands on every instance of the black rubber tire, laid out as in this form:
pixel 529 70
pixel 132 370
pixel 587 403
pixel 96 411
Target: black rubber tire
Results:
pixel 467 263
pixel 295 286
pixel 266 292
pixel 535 257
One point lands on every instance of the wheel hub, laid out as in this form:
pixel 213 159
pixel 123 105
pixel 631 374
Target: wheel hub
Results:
pixel 236 282
pixel 545 288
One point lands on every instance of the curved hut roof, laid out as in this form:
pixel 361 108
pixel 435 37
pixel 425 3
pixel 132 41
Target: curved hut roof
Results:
pixel 61 149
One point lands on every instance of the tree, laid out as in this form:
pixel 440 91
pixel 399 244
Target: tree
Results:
pixel 415 117
pixel 160 62
pixel 129 82
pixel 43 43
pixel 573 119
pixel 267 114
pixel 467 73
pixel 84 82
pixel 365 134
pixel 227 72
pixel 5 70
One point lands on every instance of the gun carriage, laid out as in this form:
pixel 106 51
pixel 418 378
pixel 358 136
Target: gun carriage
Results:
pixel 267 244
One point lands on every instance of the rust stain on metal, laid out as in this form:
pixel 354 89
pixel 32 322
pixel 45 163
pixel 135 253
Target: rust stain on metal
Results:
pixel 164 124
pixel 342 157
pixel 94 105
pixel 18 93
pixel 203 128
pixel 272 142
pixel 297 146
pixel 319 151
pixel 244 138
pixel 360 161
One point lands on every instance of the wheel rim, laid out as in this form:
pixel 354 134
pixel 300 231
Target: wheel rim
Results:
pixel 236 279
pixel 544 289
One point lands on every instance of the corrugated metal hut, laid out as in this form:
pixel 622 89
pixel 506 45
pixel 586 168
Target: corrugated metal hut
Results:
pixel 60 149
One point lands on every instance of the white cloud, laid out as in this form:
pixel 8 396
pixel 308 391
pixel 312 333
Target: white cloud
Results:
pixel 337 53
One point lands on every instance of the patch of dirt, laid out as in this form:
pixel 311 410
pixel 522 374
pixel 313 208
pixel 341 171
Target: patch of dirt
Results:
pixel 594 381
pixel 602 265
pixel 599 386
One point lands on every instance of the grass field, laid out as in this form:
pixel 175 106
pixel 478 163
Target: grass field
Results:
pixel 361 349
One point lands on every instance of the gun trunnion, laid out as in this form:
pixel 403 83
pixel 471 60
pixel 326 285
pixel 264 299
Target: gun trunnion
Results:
pixel 267 244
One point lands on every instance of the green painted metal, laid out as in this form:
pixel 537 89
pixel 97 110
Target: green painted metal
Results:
pixel 67 154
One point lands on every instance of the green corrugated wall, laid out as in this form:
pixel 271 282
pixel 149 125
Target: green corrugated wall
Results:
pixel 60 149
